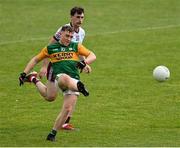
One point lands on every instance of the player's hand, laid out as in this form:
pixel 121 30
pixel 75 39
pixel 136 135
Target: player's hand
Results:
pixel 42 72
pixel 21 78
pixel 81 65
pixel 87 69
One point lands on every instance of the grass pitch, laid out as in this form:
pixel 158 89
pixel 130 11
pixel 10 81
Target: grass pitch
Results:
pixel 126 106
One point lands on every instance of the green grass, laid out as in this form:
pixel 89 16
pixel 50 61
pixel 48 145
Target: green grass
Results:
pixel 126 107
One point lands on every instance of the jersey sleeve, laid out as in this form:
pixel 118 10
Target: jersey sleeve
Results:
pixel 83 36
pixel 83 50
pixel 43 54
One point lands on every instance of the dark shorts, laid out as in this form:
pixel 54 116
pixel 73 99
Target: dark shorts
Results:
pixel 50 75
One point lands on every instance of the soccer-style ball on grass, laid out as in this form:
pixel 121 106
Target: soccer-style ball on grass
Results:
pixel 161 73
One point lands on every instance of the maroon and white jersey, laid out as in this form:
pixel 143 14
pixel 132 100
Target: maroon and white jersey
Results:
pixel 77 36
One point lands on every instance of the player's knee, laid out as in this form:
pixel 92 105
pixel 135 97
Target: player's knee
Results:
pixel 64 78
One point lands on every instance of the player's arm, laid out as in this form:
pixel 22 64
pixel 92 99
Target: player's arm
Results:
pixel 32 63
pixel 90 57
pixel 43 70
pixel 81 57
pixel 42 55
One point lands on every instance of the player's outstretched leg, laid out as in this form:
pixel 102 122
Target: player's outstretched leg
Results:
pixel 48 92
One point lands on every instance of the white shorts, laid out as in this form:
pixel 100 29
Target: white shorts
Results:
pixel 68 91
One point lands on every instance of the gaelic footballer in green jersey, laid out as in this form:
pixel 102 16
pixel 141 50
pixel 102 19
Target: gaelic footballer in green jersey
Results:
pixel 64 57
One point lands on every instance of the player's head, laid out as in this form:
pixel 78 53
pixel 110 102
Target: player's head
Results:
pixel 77 16
pixel 66 35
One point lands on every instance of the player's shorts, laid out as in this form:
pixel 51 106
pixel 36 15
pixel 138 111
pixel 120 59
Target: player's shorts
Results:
pixel 50 75
pixel 67 92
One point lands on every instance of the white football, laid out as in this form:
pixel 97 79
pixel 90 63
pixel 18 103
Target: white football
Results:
pixel 161 73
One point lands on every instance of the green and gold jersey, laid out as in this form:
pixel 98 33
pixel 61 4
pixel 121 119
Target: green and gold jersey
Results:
pixel 64 58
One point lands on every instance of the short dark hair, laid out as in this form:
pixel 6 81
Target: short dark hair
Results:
pixel 78 10
pixel 67 28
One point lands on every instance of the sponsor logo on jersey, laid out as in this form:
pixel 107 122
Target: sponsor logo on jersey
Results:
pixel 63 55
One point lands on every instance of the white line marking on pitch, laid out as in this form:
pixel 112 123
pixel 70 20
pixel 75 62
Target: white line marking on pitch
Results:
pixel 104 33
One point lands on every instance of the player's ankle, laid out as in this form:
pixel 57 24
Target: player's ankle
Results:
pixel 53 132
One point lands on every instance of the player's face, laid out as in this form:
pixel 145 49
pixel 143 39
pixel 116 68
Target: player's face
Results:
pixel 77 19
pixel 66 37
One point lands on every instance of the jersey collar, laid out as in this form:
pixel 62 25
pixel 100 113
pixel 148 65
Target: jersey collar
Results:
pixel 73 28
